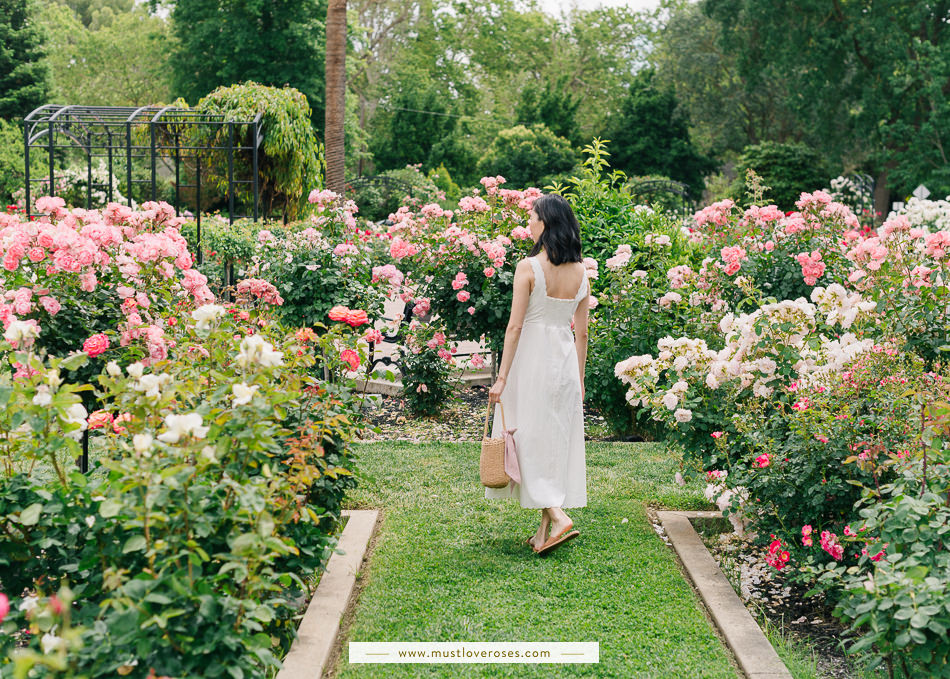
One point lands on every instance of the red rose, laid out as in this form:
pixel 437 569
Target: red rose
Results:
pixel 356 317
pixel 95 345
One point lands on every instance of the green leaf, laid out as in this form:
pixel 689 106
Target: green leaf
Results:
pixel 31 515
pixel 109 508
pixel 134 544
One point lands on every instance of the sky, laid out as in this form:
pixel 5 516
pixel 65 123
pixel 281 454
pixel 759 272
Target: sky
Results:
pixel 555 6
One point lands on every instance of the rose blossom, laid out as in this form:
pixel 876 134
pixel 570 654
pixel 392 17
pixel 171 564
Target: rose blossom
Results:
pixel 96 345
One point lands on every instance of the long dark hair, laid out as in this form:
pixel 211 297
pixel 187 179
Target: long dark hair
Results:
pixel 561 238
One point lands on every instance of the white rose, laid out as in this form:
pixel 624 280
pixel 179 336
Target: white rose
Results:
pixel 255 349
pixel 683 415
pixel 18 331
pixel 43 397
pixel 50 642
pixel 243 393
pixel 113 369
pixel 135 370
pixel 183 425
pixel 671 400
pixel 142 444
pixel 207 313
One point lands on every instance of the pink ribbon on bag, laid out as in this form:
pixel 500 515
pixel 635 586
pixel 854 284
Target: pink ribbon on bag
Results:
pixel 512 468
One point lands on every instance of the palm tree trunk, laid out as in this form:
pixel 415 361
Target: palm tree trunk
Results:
pixel 336 94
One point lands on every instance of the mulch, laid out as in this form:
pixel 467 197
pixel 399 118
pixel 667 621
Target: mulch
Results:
pixel 462 420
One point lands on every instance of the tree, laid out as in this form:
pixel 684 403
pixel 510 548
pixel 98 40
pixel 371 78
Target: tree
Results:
pixel 527 156
pixel 650 135
pixel 96 13
pixel 273 42
pixel 122 61
pixel 726 112
pixel 24 74
pixel 335 114
pixel 552 104
pixel 883 68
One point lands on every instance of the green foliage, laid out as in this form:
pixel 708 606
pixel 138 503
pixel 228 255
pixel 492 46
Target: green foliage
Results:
pixel 108 53
pixel 443 181
pixel 24 75
pixel 899 608
pixel 12 175
pixel 429 379
pixel 420 125
pixel 278 43
pixel 97 12
pixel 527 156
pixel 870 89
pixel 553 105
pixel 291 159
pixel 786 169
pixel 651 135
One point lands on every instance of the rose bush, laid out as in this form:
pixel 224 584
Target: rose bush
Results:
pixel 219 468
pixel 802 393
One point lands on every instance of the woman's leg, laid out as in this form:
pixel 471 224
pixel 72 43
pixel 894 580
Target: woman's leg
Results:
pixel 560 521
pixel 542 534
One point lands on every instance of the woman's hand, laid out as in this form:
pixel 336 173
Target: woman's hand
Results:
pixel 494 394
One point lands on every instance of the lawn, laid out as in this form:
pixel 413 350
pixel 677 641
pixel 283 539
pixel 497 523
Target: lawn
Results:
pixel 450 566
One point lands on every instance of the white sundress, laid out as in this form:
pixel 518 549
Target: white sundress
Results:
pixel 542 401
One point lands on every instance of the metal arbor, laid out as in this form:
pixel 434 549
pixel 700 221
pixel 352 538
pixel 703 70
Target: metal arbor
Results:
pixel 126 138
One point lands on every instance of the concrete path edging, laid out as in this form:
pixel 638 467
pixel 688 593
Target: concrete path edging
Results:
pixel 318 630
pixel 752 650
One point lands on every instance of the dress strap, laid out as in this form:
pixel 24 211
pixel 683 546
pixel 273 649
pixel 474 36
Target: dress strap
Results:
pixel 539 281
pixel 583 289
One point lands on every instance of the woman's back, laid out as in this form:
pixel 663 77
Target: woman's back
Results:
pixel 561 281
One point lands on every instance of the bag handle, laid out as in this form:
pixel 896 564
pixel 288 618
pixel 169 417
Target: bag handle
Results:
pixel 488 414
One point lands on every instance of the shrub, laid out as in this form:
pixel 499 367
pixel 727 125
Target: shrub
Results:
pixel 428 368
pixel 291 159
pixel 221 468
pixel 527 156
pixel 788 169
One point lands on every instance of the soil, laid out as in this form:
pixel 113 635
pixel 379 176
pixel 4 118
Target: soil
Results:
pixel 462 420
pixel 768 593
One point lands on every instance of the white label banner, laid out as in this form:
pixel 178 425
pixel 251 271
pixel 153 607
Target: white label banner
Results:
pixel 474 652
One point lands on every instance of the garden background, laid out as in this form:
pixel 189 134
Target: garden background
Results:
pixel 784 338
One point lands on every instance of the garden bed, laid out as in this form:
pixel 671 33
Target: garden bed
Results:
pixel 777 603
pixel 462 420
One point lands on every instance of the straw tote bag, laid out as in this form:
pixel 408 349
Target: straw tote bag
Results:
pixel 498 464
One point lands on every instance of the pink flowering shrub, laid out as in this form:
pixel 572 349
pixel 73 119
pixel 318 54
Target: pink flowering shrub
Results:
pixel 430 372
pixel 225 450
pixel 97 280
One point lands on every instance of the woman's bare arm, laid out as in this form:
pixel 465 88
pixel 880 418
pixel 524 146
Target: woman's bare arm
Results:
pixel 524 277
pixel 580 336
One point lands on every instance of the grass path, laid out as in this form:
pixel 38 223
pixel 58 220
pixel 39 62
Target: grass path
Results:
pixel 449 566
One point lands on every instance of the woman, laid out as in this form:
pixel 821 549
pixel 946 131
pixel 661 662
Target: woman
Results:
pixel 541 376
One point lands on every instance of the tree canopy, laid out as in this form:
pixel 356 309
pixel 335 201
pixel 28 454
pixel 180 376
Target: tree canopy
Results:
pixel 24 74
pixel 272 42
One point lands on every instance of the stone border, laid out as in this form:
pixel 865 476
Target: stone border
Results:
pixel 318 630
pixel 753 652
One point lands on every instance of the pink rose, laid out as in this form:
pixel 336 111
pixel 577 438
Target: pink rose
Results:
pixel 95 345
pixel 471 311
pixel 4 606
pixel 463 296
pixel 338 313
pixel 355 318
pixel 351 358
pixel 51 304
pixel 99 419
pixel 762 460
pixel 489 272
